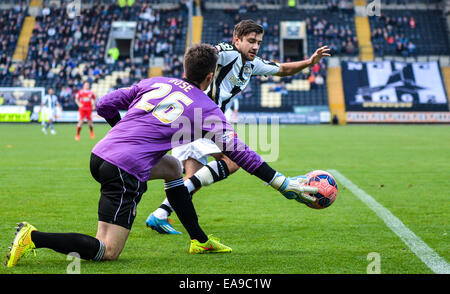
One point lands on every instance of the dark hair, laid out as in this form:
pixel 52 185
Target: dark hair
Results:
pixel 245 27
pixel 199 61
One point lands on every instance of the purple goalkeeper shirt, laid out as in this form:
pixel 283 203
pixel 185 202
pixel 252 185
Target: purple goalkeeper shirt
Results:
pixel 163 113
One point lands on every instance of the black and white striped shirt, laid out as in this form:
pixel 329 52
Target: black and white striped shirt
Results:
pixel 50 101
pixel 232 76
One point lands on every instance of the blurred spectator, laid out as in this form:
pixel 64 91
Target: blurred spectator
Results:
pixel 350 47
pixel 411 48
pixel 319 80
pixel 45 12
pixel 312 81
pixel 412 23
pixel 114 53
pixel 242 8
pixel 281 88
pixel 34 100
pixel 315 68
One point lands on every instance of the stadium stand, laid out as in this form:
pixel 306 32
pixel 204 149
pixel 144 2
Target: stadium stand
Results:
pixel 409 33
pixel 333 26
pixel 63 51
pixel 11 21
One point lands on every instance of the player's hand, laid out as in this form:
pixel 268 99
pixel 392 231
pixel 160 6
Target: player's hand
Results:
pixel 298 189
pixel 317 56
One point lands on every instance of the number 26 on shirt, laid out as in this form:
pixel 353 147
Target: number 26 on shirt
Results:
pixel 168 109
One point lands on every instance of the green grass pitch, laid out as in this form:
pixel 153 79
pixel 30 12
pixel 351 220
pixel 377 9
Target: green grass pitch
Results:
pixel 45 180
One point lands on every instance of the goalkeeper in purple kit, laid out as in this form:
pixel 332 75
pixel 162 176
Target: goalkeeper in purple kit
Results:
pixel 162 113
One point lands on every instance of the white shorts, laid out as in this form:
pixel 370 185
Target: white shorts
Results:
pixel 199 150
pixel 48 114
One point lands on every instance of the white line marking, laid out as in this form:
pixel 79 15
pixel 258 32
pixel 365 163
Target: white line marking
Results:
pixel 436 263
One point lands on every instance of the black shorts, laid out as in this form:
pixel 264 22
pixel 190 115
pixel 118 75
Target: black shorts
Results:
pixel 120 193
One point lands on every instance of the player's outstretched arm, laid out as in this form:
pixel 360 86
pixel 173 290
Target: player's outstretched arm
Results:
pixel 292 68
pixel 291 188
pixel 226 139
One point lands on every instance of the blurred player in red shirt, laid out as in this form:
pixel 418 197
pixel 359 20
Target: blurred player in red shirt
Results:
pixel 85 99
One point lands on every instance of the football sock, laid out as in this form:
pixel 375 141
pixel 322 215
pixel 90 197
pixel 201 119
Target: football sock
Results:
pixel 178 196
pixel 78 130
pixel 91 128
pixel 190 185
pixel 219 170
pixel 164 210
pixel 51 126
pixel 87 247
pixel 213 172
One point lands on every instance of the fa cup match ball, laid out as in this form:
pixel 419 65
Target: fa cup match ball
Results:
pixel 328 188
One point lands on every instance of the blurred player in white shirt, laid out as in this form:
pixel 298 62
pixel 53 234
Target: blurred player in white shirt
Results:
pixel 48 109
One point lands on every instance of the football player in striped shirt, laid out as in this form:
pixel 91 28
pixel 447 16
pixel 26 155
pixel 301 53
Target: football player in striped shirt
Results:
pixel 48 110
pixel 237 63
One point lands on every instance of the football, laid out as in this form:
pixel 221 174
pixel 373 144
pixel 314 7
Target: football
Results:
pixel 328 188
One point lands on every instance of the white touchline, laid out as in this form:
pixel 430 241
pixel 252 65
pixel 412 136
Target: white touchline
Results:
pixel 436 263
